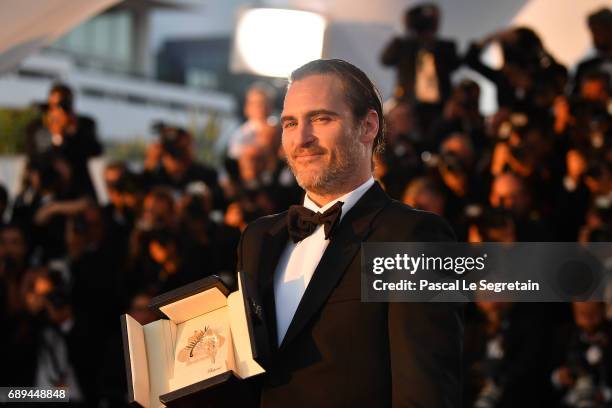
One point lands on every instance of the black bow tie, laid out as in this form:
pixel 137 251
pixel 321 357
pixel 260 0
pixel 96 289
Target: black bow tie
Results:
pixel 302 222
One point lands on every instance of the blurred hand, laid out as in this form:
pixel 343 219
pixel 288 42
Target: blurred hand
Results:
pixel 501 153
pixel 44 214
pixel 153 156
pixel 564 377
pixel 561 111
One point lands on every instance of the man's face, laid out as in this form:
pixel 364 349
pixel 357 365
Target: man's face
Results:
pixel 400 121
pixel 58 119
pixel 508 192
pixel 256 106
pixel 157 213
pixel 588 315
pixel 14 244
pixel 54 99
pixel 320 137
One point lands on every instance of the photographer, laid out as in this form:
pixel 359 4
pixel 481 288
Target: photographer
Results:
pixel 529 79
pixel 600 25
pixel 44 203
pixel 258 110
pixel 94 269
pixel 591 121
pixel 399 161
pixel 157 258
pixel 455 170
pixel 582 378
pixel 511 192
pixel 208 246
pixel 461 114
pixel 124 192
pixel 573 196
pixel 170 162
pixel 503 342
pixel 598 220
pixel 510 152
pixel 70 135
pixel 14 261
pixel 67 352
pixel 492 225
pixel 424 64
pixel 423 194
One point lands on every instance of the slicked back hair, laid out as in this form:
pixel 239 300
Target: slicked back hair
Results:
pixel 360 93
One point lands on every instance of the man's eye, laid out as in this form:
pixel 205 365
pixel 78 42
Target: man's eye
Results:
pixel 287 125
pixel 321 119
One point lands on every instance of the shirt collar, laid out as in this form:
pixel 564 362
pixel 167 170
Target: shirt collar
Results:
pixel 349 199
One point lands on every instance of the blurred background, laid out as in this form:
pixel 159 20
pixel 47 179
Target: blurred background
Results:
pixel 138 138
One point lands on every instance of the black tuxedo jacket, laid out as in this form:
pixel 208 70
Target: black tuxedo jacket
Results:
pixel 340 352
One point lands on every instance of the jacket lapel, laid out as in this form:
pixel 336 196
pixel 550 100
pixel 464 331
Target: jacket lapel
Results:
pixel 345 244
pixel 274 242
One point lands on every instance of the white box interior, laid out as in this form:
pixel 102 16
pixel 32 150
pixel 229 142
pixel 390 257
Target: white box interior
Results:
pixel 152 347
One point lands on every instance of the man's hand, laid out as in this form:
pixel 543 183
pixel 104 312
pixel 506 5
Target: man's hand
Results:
pixel 44 214
pixel 502 155
pixel 562 377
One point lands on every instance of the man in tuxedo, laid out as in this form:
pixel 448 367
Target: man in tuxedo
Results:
pixel 327 347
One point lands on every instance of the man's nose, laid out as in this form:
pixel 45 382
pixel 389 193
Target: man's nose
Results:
pixel 305 134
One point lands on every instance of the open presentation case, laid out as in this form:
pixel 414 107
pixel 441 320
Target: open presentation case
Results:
pixel 207 341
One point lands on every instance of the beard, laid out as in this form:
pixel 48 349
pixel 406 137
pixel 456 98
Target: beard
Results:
pixel 333 175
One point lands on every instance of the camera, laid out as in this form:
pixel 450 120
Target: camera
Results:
pixel 79 224
pixel 467 94
pixel 196 207
pixel 452 162
pixel 171 139
pixel 59 296
pixel 516 124
pixel 512 132
pixel 126 183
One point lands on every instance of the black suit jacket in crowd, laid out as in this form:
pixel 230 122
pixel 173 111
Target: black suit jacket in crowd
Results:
pixel 341 352
pixel 402 53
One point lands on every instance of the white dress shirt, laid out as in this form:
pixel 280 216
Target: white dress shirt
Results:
pixel 299 261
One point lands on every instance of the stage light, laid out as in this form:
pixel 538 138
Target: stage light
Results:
pixel 273 42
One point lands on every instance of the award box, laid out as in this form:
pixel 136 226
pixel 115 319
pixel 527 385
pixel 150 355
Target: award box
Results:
pixel 206 342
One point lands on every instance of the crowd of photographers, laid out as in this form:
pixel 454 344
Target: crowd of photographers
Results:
pixel 70 266
pixel 539 169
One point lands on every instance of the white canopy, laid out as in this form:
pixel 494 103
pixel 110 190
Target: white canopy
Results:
pixel 28 25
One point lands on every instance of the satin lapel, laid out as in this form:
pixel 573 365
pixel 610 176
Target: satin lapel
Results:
pixel 345 244
pixel 274 242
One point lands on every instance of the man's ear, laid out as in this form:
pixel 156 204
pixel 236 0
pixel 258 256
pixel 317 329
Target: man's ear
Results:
pixel 369 127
